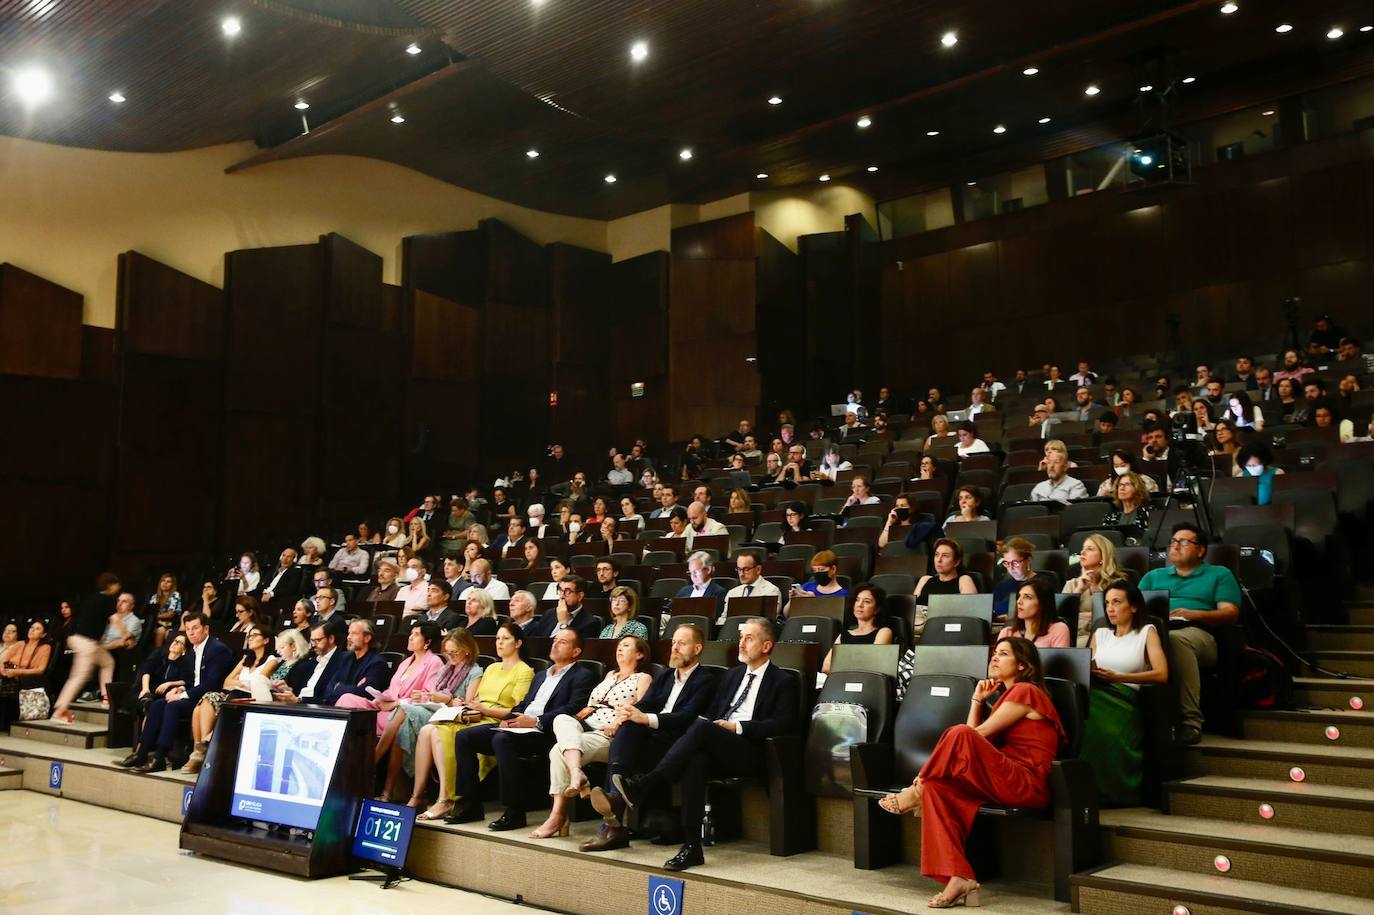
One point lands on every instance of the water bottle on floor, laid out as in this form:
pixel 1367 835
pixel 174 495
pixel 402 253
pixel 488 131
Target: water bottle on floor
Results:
pixel 708 828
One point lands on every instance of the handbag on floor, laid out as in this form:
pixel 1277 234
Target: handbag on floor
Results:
pixel 33 705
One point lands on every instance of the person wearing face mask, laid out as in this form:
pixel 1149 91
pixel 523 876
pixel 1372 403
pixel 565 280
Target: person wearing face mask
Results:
pixel 395 535
pixel 899 515
pixel 1123 462
pixel 413 592
pixel 386 588
pixel 824 580
pixel 1256 460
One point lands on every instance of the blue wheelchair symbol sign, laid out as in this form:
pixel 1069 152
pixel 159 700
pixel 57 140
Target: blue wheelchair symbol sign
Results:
pixel 55 776
pixel 665 896
pixel 186 799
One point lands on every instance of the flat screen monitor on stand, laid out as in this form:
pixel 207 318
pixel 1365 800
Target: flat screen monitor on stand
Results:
pixel 382 840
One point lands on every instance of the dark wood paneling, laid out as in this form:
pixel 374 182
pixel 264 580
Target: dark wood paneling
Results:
pixel 446 343
pixel 711 337
pixel 580 348
pixel 639 347
pixel 164 312
pixel 730 236
pixel 269 479
pixel 783 332
pixel 1261 232
pixel 353 283
pixel 40 326
pixel 1330 215
pixel 973 292
pixel 276 307
pixel 518 268
pixel 452 265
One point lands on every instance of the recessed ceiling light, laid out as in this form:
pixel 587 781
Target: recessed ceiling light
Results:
pixel 685 155
pixel 1229 8
pixel 1030 71
pixel 999 129
pixel 1283 28
pixel 1189 80
pixel 761 175
pixel 865 121
pixel 302 104
pixel 412 48
pixel 1268 112
pixel 949 39
pixel 610 179
pixel 1091 90
pixel 932 133
pixel 1336 32
pixel 33 86
pixel 775 100
pixel 1367 28
pixel 972 183
pixel 873 168
pixel 231 26
pixel 1044 120
pixel 639 51
pixel 1147 88
pixel 531 154
pixel 825 177
pixel 397 119
pixel 117 97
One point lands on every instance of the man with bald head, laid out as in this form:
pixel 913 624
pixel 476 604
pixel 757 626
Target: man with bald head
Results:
pixel 702 524
pixel 486 580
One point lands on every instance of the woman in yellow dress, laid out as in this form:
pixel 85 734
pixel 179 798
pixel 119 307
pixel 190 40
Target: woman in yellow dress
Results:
pixel 502 687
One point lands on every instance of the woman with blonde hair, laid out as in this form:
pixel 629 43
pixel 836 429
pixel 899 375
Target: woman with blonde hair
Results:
pixel 739 502
pixel 1097 571
pixel 939 428
pixel 1130 501
pixel 312 552
pixel 395 533
pixel 417 537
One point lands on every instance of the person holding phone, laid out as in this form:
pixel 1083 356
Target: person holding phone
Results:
pixel 900 515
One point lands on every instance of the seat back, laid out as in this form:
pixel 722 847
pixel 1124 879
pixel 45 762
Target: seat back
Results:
pixel 684 618
pixel 1071 702
pixel 976 605
pixel 895 582
pixel 837 724
pixel 818 629
pixel 881 659
pixel 933 704
pixel 957 630
pixel 959 660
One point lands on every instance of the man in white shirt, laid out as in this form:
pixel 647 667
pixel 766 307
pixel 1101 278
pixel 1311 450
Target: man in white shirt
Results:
pixel 751 583
pixel 286 579
pixel 1060 487
pixel 978 402
pixel 522 608
pixel 619 474
pixel 351 559
pixel 1084 377
pixel 483 578
pixel 993 386
pixel 324 642
pixel 667 500
pixel 702 524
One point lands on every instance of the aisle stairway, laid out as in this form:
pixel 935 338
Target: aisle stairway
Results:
pixel 1281 820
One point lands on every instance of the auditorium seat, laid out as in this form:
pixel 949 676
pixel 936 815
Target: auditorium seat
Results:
pixel 827 769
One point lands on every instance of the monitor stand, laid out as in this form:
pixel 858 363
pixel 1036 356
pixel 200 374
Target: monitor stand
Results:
pixel 389 877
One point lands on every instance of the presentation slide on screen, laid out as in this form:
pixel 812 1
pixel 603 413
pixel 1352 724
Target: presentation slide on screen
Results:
pixel 285 763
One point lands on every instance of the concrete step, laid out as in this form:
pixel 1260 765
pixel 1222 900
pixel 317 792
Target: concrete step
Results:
pixel 1354 663
pixel 1130 889
pixel 91 712
pixel 1340 638
pixel 1324 808
pixel 1332 693
pixel 1352 729
pixel 1352 767
pixel 79 734
pixel 1360 615
pixel 1294 858
pixel 11 779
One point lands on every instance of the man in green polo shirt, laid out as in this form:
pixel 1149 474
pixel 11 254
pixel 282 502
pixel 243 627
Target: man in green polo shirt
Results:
pixel 1202 598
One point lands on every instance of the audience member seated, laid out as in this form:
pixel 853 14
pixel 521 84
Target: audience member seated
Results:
pixel 678 527
pixel 412 593
pixel 1326 415
pixel 1286 393
pixel 939 428
pixel 624 613
pixel 1257 461
pixel 1130 502
pixel 418 538
pixel 1059 487
pixel 484 579
pixel 1003 760
pixel 351 559
pixel 928 469
pixel 868 628
pixel 630 518
pixel 316 676
pixel 749 570
pixel 159 672
pixel 794 518
pixel 569 614
pixel 585 736
pixel 831 465
pixel 452 531
pixel 246 573
pixel 699 570
pixel 165 606
pixel 1017 554
pixel 302 613
pixel 1203 414
pixel 702 524
pixel 899 515
pixel 739 502
pixel 1037 617
pixel 755 701
pixel 209 661
pixel 969 442
pixel 1225 441
pixel 1244 413
pixel 27 658
pixel 1202 599
pixel 978 402
pixel 667 501
pixel 1156 447
pixel 1126 653
pixel 287 581
pixel 947 579
pixel 824 582
pixel 480 612
pixel 327 605
pixel 859 494
pixel 417 674
pixel 257 658
pixel 386 588
pixel 1042 420
pixel 210 603
pixel 437 610
pixel 970 506
pixel 558 570
pixel 1293 368
pixel 1097 571
pixel 312 553
pixel 1123 462
pixel 512 542
pixel 561 689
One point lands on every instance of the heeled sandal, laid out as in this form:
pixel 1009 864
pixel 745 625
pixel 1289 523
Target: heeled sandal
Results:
pixel 578 787
pixel 968 898
pixel 435 812
pixel 561 832
pixel 893 803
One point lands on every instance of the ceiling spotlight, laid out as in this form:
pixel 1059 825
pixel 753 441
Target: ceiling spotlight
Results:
pixel 1189 80
pixel 932 133
pixel 1268 112
pixel 1283 28
pixel 1367 28
pixel 639 51
pixel 397 119
pixel 1091 90
pixel 1030 71
pixel 949 39
pixel 825 177
pixel 531 154
pixel 610 179
pixel 1044 120
pixel 1336 32
pixel 873 168
pixel 231 26
pixel 999 129
pixel 685 155
pixel 1228 8
pixel 865 121
pixel 1147 88
pixel 775 100
pixel 33 86
pixel 972 183
pixel 302 104
pixel 761 175
pixel 412 49
pixel 117 97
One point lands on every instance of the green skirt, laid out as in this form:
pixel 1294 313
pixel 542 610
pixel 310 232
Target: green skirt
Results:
pixel 1112 743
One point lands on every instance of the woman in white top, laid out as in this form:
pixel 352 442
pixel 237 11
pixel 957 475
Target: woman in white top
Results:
pixel 1097 571
pixel 247 573
pixel 831 464
pixel 1126 653
pixel 628 515
pixel 558 570
pixel 939 428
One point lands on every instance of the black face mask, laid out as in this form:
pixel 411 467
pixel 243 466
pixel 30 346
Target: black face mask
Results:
pixel 821 578
pixel 903 514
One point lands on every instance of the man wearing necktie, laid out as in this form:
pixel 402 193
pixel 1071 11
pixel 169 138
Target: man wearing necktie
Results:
pixel 755 701
pixel 749 568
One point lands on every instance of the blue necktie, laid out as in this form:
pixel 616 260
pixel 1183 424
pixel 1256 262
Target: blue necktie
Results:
pixel 748 685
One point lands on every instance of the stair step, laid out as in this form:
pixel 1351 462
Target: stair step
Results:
pixel 1340 638
pixel 1360 616
pixel 1330 692
pixel 11 779
pixel 1353 729
pixel 1325 808
pixel 1355 663
pixel 1294 858
pixel 79 734
pixel 1128 889
pixel 1352 767
pixel 91 712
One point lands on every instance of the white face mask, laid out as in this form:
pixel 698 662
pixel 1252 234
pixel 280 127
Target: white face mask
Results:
pixel 393 529
pixel 412 574
pixel 574 527
pixel 1254 469
pixel 1122 471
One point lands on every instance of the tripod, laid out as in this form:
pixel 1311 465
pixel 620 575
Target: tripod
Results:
pixel 1187 485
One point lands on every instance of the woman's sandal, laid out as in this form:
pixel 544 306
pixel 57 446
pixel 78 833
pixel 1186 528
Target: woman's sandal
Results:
pixel 562 831
pixel 968 897
pixel 438 811
pixel 579 786
pixel 904 801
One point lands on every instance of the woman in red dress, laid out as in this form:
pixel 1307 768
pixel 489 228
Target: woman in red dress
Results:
pixel 1003 760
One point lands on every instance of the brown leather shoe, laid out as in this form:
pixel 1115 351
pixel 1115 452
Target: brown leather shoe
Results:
pixel 607 838
pixel 610 806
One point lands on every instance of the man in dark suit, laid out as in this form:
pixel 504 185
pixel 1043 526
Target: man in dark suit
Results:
pixel 646 730
pixel 209 662
pixel 699 570
pixel 511 544
pixel 362 666
pixel 437 610
pixel 755 701
pixel 283 585
pixel 561 690
pixel 320 669
pixel 570 613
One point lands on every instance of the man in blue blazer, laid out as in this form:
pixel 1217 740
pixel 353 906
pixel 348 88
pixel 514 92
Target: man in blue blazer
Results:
pixel 699 569
pixel 208 662
pixel 561 690
pixel 646 730
pixel 571 614
pixel 310 680
pixel 362 666
pixel 755 701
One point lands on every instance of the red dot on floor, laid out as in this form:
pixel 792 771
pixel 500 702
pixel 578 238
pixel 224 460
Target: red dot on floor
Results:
pixel 1222 863
pixel 1266 811
pixel 1182 910
pixel 1356 703
pixel 1296 774
pixel 1333 732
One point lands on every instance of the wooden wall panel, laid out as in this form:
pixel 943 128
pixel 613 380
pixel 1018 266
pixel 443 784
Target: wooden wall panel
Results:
pixel 783 334
pixel 580 349
pixel 40 326
pixel 711 335
pixel 726 238
pixel 973 288
pixel 638 331
pixel 1330 215
pixel 446 344
pixel 269 490
pixel 1261 231
pixel 276 307
pixel 353 283
pixel 517 269
pixel 452 265
pixel 164 312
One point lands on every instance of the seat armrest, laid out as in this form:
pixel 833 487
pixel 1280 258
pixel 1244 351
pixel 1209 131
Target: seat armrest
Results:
pixel 871 765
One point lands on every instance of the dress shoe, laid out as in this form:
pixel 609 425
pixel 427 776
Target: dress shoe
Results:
pixel 1188 734
pixel 689 855
pixel 630 788
pixel 610 806
pixel 608 838
pixel 511 819
pixel 156 763
pixel 466 813
pixel 132 760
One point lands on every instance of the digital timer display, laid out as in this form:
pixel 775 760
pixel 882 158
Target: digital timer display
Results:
pixel 383 833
